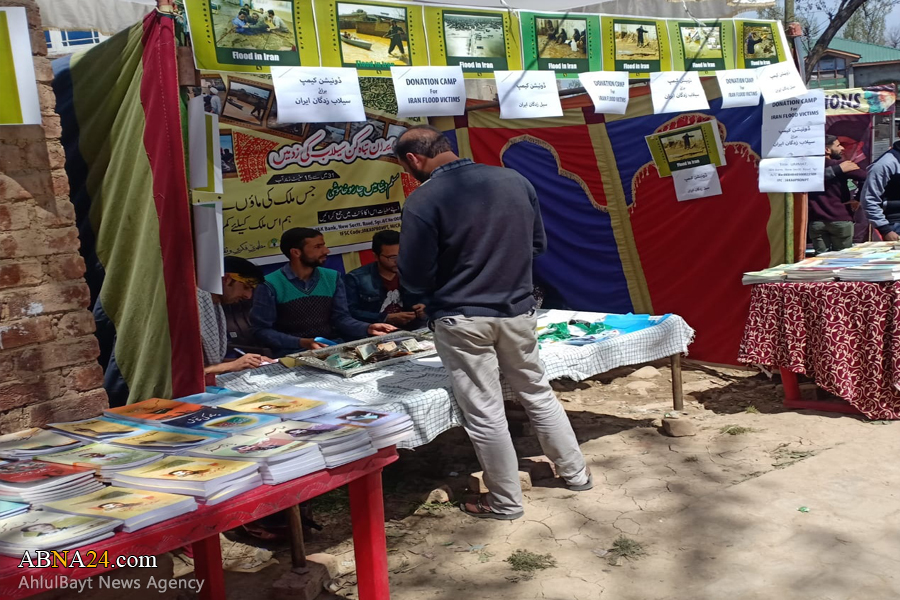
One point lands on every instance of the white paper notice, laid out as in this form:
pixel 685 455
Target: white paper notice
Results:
pixel 24 107
pixel 794 127
pixel 797 174
pixel 739 87
pixel 209 246
pixel 780 81
pixel 429 91
pixel 317 95
pixel 608 90
pixel 677 91
pixel 528 94
pixel 698 182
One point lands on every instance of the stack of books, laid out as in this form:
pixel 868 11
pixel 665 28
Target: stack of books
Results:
pixel 47 530
pixel 284 407
pixel 10 509
pixel 216 419
pixel 163 440
pixel 105 459
pixel 96 430
pixel 770 275
pixel 209 481
pixel 280 458
pixel 384 428
pixel 34 482
pixel 135 509
pixel 31 442
pixel 871 272
pixel 154 409
pixel 340 444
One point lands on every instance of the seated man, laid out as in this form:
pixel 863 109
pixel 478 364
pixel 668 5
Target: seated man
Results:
pixel 241 278
pixel 374 293
pixel 241 24
pixel 302 301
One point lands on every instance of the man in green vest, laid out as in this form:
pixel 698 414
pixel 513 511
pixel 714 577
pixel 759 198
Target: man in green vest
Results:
pixel 303 301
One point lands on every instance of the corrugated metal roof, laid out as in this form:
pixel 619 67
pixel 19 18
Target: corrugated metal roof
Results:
pixel 869 53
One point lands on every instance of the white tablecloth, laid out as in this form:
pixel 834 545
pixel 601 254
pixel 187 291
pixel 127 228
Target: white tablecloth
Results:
pixel 424 391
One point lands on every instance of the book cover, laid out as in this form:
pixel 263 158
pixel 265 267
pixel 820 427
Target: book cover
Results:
pixel 50 529
pixel 154 409
pixel 306 431
pixel 163 439
pixel 30 471
pixel 96 456
pixel 117 502
pixel 183 468
pixel 359 417
pixel 222 420
pixel 35 439
pixel 274 404
pixel 99 429
pixel 252 447
pixel 11 507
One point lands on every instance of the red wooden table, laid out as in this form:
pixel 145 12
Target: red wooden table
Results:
pixel 201 528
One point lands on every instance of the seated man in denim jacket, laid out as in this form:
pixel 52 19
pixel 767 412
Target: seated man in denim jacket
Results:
pixel 374 293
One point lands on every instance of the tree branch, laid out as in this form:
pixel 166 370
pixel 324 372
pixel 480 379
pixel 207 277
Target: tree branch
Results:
pixel 843 14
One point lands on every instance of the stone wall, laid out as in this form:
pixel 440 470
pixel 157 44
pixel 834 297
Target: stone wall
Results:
pixel 48 354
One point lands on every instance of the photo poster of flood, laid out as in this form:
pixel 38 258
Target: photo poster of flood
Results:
pixel 567 43
pixel 760 43
pixel 479 41
pixel 705 46
pixel 371 36
pixel 252 35
pixel 637 46
pixel 686 147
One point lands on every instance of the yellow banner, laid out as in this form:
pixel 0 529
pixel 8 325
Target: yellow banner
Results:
pixel 855 101
pixel 340 178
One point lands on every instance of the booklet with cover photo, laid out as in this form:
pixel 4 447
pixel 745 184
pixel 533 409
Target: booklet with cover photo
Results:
pixel 273 404
pixel 154 409
pixel 34 441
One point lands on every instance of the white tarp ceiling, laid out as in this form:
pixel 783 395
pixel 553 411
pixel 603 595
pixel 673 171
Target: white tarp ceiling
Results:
pixel 111 16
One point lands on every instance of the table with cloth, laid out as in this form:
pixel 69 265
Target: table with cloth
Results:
pixel 424 393
pixel 844 335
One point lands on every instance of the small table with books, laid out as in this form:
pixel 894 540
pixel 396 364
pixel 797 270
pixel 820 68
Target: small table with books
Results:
pixel 201 529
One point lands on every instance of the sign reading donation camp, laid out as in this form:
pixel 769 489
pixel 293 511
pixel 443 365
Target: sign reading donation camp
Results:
pixel 739 87
pixel 760 43
pixel 478 41
pixel 371 36
pixel 677 91
pixel 608 90
pixel 528 94
pixel 317 95
pixel 705 46
pixel 687 147
pixel 794 127
pixel 567 43
pixel 251 37
pixel 429 91
pixel 638 46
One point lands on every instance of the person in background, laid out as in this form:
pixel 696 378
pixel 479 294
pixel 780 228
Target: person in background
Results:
pixel 467 241
pixel 396 35
pixel 241 24
pixel 880 195
pixel 374 291
pixel 303 301
pixel 211 101
pixel 831 210
pixel 241 278
pixel 276 23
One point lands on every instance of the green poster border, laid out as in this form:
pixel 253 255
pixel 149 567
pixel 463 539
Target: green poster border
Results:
pixel 610 63
pixel 680 61
pixel 533 62
pixel 777 35
pixel 437 46
pixel 709 132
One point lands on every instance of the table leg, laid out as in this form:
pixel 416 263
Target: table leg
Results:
pixel 298 548
pixel 790 384
pixel 677 387
pixel 208 567
pixel 369 542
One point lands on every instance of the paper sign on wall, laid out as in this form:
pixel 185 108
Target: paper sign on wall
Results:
pixel 528 94
pixel 608 90
pixel 317 95
pixel 739 87
pixel 19 104
pixel 209 246
pixel 794 127
pixel 795 174
pixel 204 152
pixel 429 91
pixel 687 147
pixel 699 182
pixel 677 91
pixel 779 82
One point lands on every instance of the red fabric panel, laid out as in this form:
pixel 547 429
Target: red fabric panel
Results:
pixel 164 145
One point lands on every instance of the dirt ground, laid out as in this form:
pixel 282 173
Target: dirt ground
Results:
pixel 685 502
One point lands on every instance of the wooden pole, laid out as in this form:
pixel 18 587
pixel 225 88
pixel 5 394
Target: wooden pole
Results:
pixel 677 389
pixel 298 547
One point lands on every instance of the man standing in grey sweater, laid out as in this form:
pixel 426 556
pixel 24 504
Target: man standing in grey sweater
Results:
pixel 468 238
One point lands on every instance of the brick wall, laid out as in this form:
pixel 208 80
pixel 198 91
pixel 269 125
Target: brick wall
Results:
pixel 48 366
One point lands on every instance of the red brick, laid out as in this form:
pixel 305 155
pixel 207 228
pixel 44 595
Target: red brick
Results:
pixel 57 154
pixel 64 240
pixel 26 331
pixel 60 214
pixel 38 184
pixel 48 298
pixel 38 42
pixel 52 127
pixel 65 353
pixel 60 182
pixel 76 324
pixel 15 420
pixel 43 70
pixel 20 274
pixel 10 189
pixel 65 267
pixel 84 378
pixel 14 395
pixel 23 364
pixel 70 407
pixel 36 155
pixel 15 216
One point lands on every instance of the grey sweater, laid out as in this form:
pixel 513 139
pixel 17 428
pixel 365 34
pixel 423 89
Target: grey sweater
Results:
pixel 468 238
